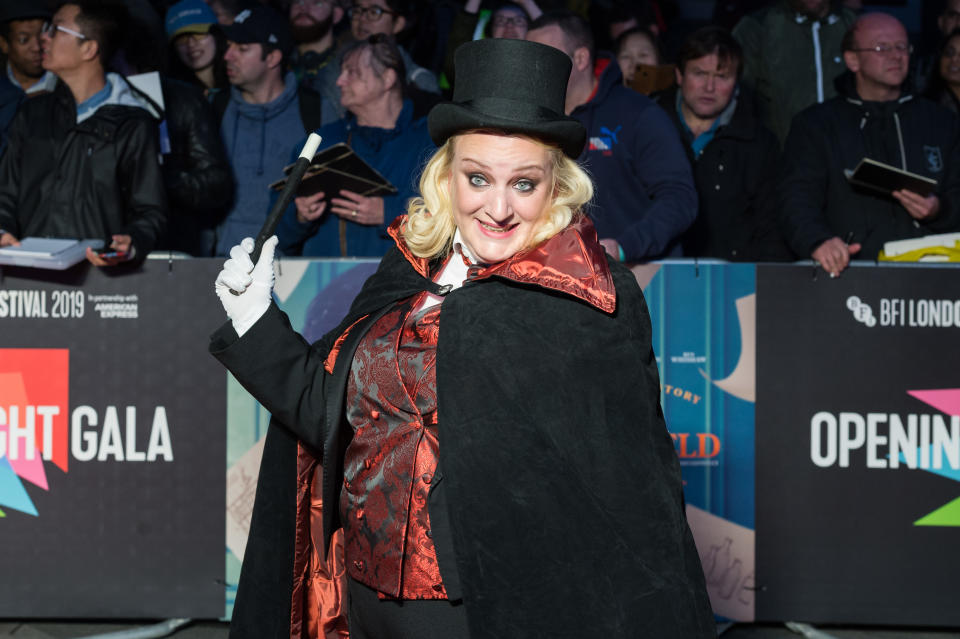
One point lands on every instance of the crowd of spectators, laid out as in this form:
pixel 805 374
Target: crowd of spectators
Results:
pixel 739 151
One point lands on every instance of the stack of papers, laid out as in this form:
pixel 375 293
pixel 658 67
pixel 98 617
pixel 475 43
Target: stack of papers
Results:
pixel 44 252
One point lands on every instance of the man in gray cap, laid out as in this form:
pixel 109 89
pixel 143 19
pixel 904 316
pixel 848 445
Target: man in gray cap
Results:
pixel 261 119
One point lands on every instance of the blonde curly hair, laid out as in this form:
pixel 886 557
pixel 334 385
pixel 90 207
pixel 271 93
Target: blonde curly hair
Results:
pixel 430 225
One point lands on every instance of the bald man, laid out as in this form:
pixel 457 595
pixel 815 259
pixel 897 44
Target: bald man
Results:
pixel 827 218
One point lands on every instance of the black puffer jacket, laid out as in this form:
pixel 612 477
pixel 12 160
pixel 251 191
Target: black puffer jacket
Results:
pixel 196 171
pixel 88 180
pixel 818 203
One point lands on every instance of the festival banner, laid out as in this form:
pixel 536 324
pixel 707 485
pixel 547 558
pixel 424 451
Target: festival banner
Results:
pixel 112 442
pixel 858 445
pixel 704 339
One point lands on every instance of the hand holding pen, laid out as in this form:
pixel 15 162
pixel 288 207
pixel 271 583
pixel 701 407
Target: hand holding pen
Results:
pixel 834 254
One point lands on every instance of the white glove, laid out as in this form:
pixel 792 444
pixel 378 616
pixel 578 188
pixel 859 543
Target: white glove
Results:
pixel 244 289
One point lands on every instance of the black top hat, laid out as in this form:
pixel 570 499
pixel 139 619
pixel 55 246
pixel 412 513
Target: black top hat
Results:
pixel 509 85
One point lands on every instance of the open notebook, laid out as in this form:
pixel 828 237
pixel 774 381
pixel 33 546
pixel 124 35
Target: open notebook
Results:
pixel 886 178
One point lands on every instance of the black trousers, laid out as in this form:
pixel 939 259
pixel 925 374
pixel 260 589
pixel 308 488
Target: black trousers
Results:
pixel 373 618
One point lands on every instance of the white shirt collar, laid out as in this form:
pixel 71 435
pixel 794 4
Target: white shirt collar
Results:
pixel 461 247
pixel 454 272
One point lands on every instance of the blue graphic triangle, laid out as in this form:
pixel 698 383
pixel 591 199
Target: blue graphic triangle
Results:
pixel 943 471
pixel 12 493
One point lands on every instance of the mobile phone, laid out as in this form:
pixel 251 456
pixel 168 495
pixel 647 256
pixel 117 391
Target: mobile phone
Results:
pixel 110 253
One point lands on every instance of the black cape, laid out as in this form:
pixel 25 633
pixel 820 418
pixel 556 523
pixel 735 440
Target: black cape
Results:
pixel 563 511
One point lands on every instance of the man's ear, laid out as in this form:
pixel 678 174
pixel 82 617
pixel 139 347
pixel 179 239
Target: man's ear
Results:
pixel 390 78
pixel 678 74
pixel 581 58
pixel 90 49
pixel 337 14
pixel 4 46
pixel 399 25
pixel 274 58
pixel 852 60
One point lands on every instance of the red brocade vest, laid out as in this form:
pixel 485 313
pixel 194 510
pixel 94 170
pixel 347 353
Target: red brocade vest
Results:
pixel 392 406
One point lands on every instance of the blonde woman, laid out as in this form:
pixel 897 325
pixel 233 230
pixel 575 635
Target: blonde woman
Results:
pixel 494 458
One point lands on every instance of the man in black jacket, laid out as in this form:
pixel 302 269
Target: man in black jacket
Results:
pixel 822 214
pixel 734 157
pixel 82 161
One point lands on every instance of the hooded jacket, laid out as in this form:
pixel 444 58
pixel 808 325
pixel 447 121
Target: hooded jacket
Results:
pixel 257 138
pixel 91 178
pixel 556 507
pixel 818 203
pixel 790 60
pixel 398 154
pixel 644 196
pixel 735 175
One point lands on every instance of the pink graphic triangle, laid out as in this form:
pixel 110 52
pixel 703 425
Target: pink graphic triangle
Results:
pixel 946 400
pixel 14 393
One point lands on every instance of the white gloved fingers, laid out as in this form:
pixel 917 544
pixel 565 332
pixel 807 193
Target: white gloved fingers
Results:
pixel 233 278
pixel 236 273
pixel 241 256
pixel 263 271
pixel 253 284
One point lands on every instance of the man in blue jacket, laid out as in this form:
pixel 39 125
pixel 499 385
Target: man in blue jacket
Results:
pixel 645 198
pixel 261 120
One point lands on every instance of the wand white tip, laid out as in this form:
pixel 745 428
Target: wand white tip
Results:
pixel 310 148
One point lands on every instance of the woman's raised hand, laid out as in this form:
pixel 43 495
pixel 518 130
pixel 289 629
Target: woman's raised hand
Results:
pixel 245 289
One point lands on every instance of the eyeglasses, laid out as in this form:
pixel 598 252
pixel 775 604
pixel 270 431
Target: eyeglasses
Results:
pixel 369 14
pixel 503 21
pixel 51 29
pixel 887 49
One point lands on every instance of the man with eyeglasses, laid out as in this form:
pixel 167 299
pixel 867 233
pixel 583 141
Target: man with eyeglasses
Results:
pixel 507 20
pixel 82 161
pixel 390 17
pixel 822 214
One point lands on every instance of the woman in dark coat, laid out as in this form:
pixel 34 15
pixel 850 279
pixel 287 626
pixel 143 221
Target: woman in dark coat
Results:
pixel 487 415
pixel 945 81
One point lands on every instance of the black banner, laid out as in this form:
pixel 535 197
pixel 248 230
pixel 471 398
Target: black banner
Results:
pixel 858 445
pixel 112 443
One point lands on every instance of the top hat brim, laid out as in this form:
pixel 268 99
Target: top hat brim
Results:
pixel 449 118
